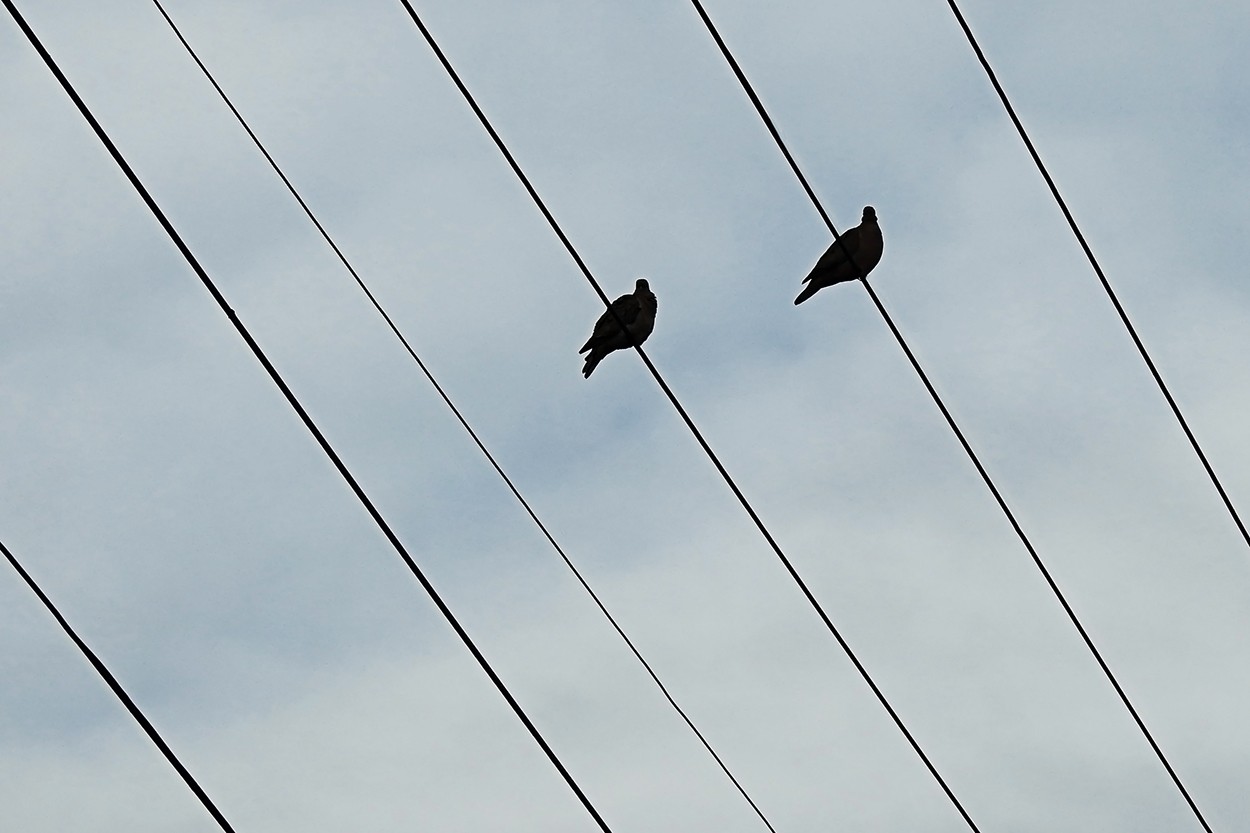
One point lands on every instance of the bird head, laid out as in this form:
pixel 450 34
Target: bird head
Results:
pixel 641 286
pixel 870 213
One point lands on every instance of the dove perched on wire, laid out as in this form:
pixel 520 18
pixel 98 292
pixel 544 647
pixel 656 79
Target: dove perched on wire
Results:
pixel 635 311
pixel 863 244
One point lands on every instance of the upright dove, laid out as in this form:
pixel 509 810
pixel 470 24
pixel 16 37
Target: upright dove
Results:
pixel 863 244
pixel 635 311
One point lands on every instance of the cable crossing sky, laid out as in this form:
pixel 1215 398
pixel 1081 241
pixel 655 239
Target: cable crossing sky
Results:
pixel 698 435
pixel 463 420
pixel 120 693
pixel 1102 278
pixel 260 355
pixel 695 431
pixel 1089 643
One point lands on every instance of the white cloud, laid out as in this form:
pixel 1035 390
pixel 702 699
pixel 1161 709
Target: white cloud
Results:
pixel 158 486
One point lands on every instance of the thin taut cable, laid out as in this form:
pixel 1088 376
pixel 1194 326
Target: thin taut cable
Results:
pixel 1102 278
pixel 898 336
pixel 464 422
pixel 698 435
pixel 121 694
pixel 303 414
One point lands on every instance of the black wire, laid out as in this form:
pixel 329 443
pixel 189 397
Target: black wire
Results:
pixel 772 129
pixel 1106 285
pixel 463 421
pixel 303 415
pixel 698 435
pixel 1132 331
pixel 958 433
pixel 1102 278
pixel 121 694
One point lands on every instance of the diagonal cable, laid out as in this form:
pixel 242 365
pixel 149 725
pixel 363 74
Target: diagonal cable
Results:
pixel 462 420
pixel 120 693
pixel 1015 525
pixel 260 355
pixel 1102 278
pixel 698 435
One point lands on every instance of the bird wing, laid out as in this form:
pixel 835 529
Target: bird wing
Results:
pixel 836 254
pixel 626 309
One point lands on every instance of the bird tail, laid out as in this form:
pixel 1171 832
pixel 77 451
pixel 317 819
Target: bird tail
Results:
pixel 592 361
pixel 808 291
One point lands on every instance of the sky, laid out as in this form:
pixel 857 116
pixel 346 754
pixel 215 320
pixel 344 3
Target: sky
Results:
pixel 161 491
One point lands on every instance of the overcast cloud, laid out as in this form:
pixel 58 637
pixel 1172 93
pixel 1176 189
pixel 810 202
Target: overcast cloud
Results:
pixel 163 493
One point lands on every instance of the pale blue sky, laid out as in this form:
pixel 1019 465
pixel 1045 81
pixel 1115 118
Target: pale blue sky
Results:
pixel 155 483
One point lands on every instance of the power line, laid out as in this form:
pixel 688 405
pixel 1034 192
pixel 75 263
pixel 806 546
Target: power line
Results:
pixel 303 415
pixel 1102 278
pixel 698 435
pixel 463 420
pixel 954 427
pixel 1132 331
pixel 121 694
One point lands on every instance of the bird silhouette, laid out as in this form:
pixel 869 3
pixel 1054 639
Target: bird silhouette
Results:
pixel 635 311
pixel 851 256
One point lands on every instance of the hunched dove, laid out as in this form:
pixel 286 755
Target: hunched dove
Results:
pixel 636 311
pixel 864 244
